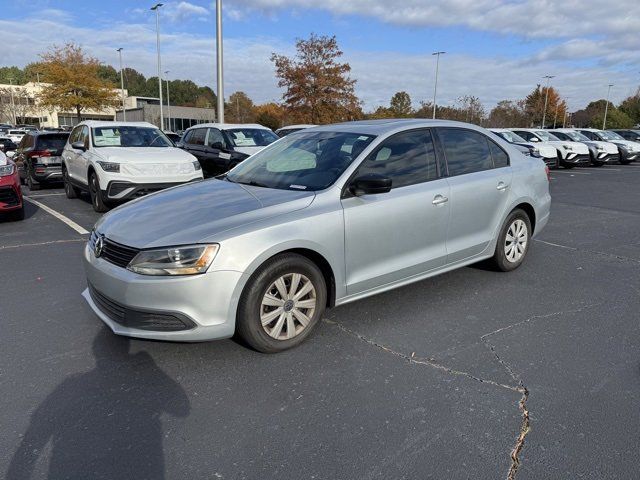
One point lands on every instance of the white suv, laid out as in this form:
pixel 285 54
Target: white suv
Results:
pixel 118 161
pixel 570 153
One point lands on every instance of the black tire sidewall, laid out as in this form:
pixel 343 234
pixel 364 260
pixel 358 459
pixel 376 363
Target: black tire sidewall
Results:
pixel 499 257
pixel 97 201
pixel 248 325
pixel 69 190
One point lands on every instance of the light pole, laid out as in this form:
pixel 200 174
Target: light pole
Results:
pixel 156 7
pixel 435 85
pixel 564 119
pixel 606 108
pixel 546 99
pixel 124 110
pixel 555 117
pixel 13 105
pixel 220 89
pixel 166 77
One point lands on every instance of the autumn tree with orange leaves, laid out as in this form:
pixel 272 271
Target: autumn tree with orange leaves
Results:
pixel 318 88
pixel 72 83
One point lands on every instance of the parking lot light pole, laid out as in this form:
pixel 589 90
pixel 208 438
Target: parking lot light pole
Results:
pixel 124 110
pixel 166 78
pixel 156 8
pixel 546 100
pixel 606 107
pixel 13 105
pixel 435 85
pixel 219 76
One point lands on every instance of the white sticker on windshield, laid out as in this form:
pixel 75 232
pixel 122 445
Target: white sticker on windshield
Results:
pixel 298 187
pixel 225 156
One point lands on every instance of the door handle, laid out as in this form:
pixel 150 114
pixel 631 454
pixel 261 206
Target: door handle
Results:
pixel 439 200
pixel 502 186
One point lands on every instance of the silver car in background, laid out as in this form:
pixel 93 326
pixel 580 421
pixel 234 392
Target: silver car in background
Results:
pixel 319 218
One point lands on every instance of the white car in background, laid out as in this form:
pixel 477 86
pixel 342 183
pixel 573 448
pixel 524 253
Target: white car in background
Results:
pixel 284 131
pixel 601 152
pixel 570 154
pixel 119 161
pixel 548 153
pixel 628 151
pixel 16 135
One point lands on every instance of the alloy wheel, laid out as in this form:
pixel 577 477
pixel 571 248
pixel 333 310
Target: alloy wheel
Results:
pixel 516 240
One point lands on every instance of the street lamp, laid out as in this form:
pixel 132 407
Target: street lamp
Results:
pixel 606 108
pixel 156 7
pixel 435 86
pixel 13 105
pixel 124 110
pixel 220 89
pixel 546 99
pixel 166 77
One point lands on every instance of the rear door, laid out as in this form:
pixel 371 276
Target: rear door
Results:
pixel 479 176
pixel 217 155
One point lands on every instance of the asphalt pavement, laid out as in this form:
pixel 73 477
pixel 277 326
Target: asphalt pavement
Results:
pixel 472 374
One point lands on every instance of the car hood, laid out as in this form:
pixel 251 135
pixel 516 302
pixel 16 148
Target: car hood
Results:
pixel 195 213
pixel 607 147
pixel 628 144
pixel 248 150
pixel 140 155
pixel 548 151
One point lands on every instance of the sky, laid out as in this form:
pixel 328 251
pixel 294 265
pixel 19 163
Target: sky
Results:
pixel 495 49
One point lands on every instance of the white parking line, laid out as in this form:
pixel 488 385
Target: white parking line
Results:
pixel 601 169
pixel 570 173
pixel 59 216
pixel 31 195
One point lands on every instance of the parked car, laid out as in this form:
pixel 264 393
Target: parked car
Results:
pixel 118 161
pixel 548 153
pixel 16 135
pixel 26 127
pixel 570 154
pixel 11 202
pixel 600 152
pixel 38 158
pixel 284 131
pixel 220 147
pixel 628 151
pixel 320 218
pixel 174 137
pixel 7 145
pixel 628 134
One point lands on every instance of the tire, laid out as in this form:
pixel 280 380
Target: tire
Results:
pixel 279 310
pixel 98 202
pixel 624 162
pixel 32 186
pixel 513 223
pixel 596 163
pixel 70 190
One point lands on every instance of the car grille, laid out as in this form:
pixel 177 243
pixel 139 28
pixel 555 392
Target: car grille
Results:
pixel 139 319
pixel 9 197
pixel 113 252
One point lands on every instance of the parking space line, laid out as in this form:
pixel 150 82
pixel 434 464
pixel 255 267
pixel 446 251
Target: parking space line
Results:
pixel 59 216
pixel 601 169
pixel 44 195
pixel 572 173
pixel 39 244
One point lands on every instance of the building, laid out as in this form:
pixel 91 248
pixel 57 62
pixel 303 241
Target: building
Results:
pixel 18 105
pixel 176 118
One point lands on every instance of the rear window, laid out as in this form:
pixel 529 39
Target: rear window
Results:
pixel 51 142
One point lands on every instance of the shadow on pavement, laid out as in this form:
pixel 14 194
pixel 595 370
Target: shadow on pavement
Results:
pixel 104 423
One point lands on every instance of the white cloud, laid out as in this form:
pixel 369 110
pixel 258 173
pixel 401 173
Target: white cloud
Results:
pixel 185 10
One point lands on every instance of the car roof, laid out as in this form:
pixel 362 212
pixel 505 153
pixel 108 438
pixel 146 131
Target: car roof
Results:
pixel 588 129
pixel 103 123
pixel 227 126
pixel 384 126
pixel 301 125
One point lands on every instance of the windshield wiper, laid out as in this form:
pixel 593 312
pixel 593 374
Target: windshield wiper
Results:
pixel 253 183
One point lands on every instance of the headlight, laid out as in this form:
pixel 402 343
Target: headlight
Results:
pixel 568 147
pixel 197 166
pixel 110 167
pixel 534 152
pixel 189 260
pixel 6 170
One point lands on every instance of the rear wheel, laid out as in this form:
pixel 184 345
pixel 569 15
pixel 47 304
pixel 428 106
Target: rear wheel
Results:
pixel 69 189
pixel 33 186
pixel 97 200
pixel 513 241
pixel 281 304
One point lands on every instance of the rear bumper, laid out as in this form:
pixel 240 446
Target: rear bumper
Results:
pixel 48 173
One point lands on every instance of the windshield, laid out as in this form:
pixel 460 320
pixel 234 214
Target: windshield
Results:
pixel 129 136
pixel 251 137
pixel 608 135
pixel 546 136
pixel 511 137
pixel 302 161
pixel 576 136
pixel 17 132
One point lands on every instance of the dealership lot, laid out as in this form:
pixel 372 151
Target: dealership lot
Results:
pixel 427 381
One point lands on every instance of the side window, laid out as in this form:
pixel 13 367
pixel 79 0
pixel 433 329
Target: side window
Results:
pixel 197 136
pixel 500 157
pixel 215 136
pixel 75 135
pixel 407 158
pixel 187 137
pixel 466 151
pixel 526 135
pixel 84 136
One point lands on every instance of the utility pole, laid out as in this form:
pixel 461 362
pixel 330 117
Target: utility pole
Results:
pixel 156 8
pixel 435 85
pixel 219 76
pixel 555 117
pixel 606 108
pixel 546 99
pixel 124 110
pixel 166 77
pixel 13 105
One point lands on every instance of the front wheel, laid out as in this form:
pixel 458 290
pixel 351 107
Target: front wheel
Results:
pixel 99 205
pixel 281 304
pixel 513 241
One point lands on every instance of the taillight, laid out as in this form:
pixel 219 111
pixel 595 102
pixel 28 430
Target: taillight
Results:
pixel 40 153
pixel 546 169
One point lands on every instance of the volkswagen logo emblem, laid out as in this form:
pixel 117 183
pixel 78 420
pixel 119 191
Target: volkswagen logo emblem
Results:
pixel 98 246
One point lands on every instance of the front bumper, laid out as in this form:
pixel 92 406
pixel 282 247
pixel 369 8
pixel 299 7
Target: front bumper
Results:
pixel 629 156
pixel 607 157
pixel 551 162
pixel 206 303
pixel 10 198
pixel 121 190
pixel 577 159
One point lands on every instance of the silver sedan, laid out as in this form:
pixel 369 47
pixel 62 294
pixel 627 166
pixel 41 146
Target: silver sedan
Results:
pixel 322 217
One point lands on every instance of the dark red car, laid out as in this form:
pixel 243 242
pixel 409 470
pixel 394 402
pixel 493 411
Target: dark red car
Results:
pixel 11 203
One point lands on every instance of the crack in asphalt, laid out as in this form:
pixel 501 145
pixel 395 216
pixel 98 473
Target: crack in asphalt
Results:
pixel 39 244
pixel 594 252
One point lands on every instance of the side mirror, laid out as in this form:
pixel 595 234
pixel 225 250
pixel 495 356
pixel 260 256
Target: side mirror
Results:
pixel 534 139
pixel 79 146
pixel 217 146
pixel 370 184
pixel 179 145
pixel 11 153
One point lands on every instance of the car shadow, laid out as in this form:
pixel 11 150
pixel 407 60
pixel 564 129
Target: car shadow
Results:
pixel 104 423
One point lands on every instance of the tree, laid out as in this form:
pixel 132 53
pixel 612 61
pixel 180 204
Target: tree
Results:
pixel 271 115
pixel 73 83
pixel 472 109
pixel 631 107
pixel 400 105
pixel 534 106
pixel 317 86
pixel 381 112
pixel 240 108
pixel 12 74
pixel 594 115
pixel 508 113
